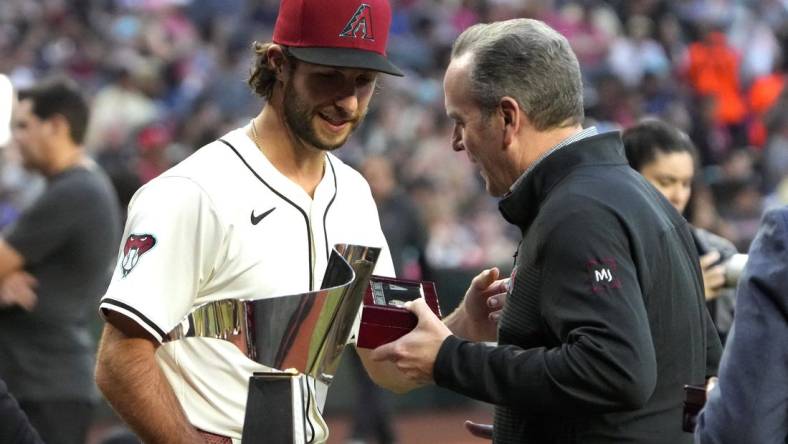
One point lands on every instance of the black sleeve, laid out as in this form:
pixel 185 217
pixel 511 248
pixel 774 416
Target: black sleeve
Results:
pixel 49 222
pixel 592 305
pixel 15 428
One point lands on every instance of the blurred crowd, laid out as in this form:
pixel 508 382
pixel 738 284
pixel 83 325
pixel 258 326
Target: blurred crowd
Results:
pixel 166 76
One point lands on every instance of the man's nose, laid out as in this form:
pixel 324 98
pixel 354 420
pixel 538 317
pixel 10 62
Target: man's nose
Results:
pixel 675 196
pixel 347 100
pixel 349 104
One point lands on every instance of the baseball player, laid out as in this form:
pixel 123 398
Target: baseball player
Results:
pixel 254 214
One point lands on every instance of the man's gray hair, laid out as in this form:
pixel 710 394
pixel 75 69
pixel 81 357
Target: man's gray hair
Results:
pixel 528 61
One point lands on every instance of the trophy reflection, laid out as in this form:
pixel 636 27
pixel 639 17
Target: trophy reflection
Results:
pixel 299 338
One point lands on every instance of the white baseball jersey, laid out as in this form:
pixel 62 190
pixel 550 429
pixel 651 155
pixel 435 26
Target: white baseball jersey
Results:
pixel 225 223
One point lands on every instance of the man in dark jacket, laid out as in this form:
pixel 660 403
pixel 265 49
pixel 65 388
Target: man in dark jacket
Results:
pixel 605 319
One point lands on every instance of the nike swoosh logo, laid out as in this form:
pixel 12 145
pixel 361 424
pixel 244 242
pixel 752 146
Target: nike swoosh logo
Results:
pixel 256 219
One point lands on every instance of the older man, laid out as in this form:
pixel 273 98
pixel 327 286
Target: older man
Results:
pixel 605 320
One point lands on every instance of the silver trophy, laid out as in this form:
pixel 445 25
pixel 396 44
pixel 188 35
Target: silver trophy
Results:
pixel 296 335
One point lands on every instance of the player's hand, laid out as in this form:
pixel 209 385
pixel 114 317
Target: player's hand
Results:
pixel 484 300
pixel 18 288
pixel 713 275
pixel 484 431
pixel 414 354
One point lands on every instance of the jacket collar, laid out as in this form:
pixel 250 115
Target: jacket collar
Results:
pixel 521 205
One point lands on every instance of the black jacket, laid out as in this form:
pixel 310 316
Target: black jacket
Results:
pixel 606 321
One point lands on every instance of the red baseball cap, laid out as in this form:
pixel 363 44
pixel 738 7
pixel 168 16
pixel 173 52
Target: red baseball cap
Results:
pixel 343 33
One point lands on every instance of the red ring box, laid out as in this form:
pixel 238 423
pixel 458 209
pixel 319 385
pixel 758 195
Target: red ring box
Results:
pixel 383 319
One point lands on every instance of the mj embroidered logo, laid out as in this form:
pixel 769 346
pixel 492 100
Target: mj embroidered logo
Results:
pixel 360 24
pixel 602 274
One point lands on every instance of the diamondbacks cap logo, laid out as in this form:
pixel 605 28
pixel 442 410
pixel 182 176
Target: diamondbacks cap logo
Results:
pixel 136 245
pixel 360 25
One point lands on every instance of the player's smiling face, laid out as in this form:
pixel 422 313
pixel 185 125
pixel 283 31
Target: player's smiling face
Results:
pixel 323 104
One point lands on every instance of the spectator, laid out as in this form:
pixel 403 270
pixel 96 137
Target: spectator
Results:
pixel 666 158
pixel 54 264
pixel 406 234
pixel 400 219
pixel 712 71
pixel 15 427
pixel 636 54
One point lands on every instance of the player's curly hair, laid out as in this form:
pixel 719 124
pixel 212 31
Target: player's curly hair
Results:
pixel 262 77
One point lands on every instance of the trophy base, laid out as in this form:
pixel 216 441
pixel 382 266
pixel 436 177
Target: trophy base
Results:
pixel 279 409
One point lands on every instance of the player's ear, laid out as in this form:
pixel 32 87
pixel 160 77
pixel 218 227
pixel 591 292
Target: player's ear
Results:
pixel 276 60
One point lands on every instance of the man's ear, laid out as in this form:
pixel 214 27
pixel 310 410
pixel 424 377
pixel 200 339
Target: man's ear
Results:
pixel 511 113
pixel 277 60
pixel 60 126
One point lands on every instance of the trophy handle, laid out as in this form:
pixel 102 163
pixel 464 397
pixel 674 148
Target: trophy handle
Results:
pixel 340 316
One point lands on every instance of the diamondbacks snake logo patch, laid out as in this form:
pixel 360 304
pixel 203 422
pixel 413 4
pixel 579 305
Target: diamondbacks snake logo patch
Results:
pixel 136 245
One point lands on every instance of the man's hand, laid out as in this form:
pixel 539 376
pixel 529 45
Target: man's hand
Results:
pixel 713 275
pixel 485 297
pixel 477 316
pixel 18 288
pixel 414 354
